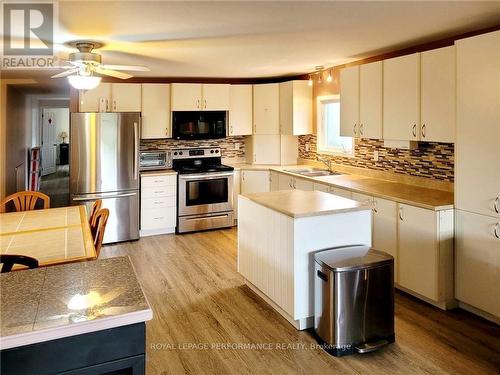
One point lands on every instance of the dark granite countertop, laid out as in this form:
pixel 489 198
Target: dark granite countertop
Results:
pixel 53 302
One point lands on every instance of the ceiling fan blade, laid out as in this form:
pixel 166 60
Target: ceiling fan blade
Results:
pixel 132 68
pixel 112 73
pixel 66 73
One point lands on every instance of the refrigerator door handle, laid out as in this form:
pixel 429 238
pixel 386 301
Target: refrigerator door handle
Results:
pixel 136 152
pixel 97 196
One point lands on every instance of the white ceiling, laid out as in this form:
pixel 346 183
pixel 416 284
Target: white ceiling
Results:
pixel 259 39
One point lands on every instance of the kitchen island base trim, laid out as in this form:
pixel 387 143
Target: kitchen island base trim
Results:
pixel 299 324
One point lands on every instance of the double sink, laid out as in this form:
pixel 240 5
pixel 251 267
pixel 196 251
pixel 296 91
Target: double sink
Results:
pixel 312 172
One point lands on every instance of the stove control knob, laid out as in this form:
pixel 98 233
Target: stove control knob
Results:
pixel 180 152
pixel 217 151
pixel 211 151
pixel 175 153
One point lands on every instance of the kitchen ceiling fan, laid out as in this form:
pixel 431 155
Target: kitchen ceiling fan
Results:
pixel 82 66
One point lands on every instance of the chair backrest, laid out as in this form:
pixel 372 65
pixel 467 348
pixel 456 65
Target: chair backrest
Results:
pixel 25 200
pixel 101 219
pixel 93 212
pixel 8 261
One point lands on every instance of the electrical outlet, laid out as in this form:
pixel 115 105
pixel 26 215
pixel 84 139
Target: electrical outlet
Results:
pixel 308 147
pixel 236 146
pixel 375 155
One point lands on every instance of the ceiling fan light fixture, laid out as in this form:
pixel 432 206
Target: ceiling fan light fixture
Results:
pixel 329 77
pixel 84 82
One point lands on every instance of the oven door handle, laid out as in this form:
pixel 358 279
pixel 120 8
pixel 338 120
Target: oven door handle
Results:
pixel 204 176
pixel 207 217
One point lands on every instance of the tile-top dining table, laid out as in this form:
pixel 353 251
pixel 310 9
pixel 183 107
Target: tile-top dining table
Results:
pixel 53 236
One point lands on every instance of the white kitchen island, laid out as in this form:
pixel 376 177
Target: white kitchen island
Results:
pixel 278 234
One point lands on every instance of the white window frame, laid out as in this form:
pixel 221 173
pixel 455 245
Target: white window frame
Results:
pixel 321 149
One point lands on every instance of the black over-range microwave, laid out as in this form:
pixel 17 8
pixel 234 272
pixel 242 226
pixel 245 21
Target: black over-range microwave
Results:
pixel 199 124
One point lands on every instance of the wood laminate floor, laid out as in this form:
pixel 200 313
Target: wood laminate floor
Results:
pixel 204 316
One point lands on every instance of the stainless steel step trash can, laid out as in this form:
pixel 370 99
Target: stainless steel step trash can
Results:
pixel 353 299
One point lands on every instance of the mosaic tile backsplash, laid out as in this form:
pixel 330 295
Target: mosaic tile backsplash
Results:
pixel 231 147
pixel 430 160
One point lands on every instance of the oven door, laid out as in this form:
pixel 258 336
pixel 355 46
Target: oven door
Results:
pixel 205 193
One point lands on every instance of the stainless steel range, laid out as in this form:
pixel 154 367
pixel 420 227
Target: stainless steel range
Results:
pixel 205 190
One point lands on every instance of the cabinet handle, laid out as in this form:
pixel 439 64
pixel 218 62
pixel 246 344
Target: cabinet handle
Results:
pixel 107 105
pixel 290 184
pixel 497 235
pixel 361 129
pixel 414 130
pixel 254 158
pixel 423 131
pixel 114 105
pixel 243 176
pixel 198 103
pixel 355 125
pixel 375 206
pixel 204 103
pixel 495 205
pixel 401 213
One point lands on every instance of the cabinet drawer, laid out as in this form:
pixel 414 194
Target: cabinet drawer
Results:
pixel 156 218
pixel 158 191
pixel 160 202
pixel 154 181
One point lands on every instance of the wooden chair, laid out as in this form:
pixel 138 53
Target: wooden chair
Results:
pixel 8 261
pixel 101 219
pixel 93 212
pixel 25 200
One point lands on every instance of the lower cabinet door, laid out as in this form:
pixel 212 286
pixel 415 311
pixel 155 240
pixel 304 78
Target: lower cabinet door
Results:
pixel 418 250
pixel 302 184
pixel 158 218
pixel 255 182
pixel 385 229
pixel 285 182
pixel 477 255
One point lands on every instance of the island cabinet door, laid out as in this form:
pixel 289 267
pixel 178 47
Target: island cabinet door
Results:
pixel 418 250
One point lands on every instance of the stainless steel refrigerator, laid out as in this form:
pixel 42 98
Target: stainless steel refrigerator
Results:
pixel 104 165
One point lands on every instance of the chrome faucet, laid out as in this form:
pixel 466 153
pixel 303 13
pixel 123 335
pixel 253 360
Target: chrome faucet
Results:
pixel 325 161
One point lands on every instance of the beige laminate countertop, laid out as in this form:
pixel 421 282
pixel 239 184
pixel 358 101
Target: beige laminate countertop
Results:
pixel 431 199
pixel 300 203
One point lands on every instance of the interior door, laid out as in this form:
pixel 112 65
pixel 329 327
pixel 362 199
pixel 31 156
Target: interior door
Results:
pixel 49 145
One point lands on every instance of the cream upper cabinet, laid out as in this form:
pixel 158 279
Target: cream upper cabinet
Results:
pixel 266 101
pixel 295 108
pixel 112 97
pixel 262 149
pixel 478 261
pixel 155 111
pixel 186 97
pixel 96 100
pixel 401 98
pixel 240 109
pixel 126 97
pixel 255 181
pixel 215 97
pixel 349 101
pixel 438 95
pixel 477 148
pixel 370 100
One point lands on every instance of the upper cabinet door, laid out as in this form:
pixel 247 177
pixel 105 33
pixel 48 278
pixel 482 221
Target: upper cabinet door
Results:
pixel 215 97
pixel 266 101
pixel 186 97
pixel 126 97
pixel 96 100
pixel 370 100
pixel 401 98
pixel 240 110
pixel 438 95
pixel 477 166
pixel 349 102
pixel 295 108
pixel 155 111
